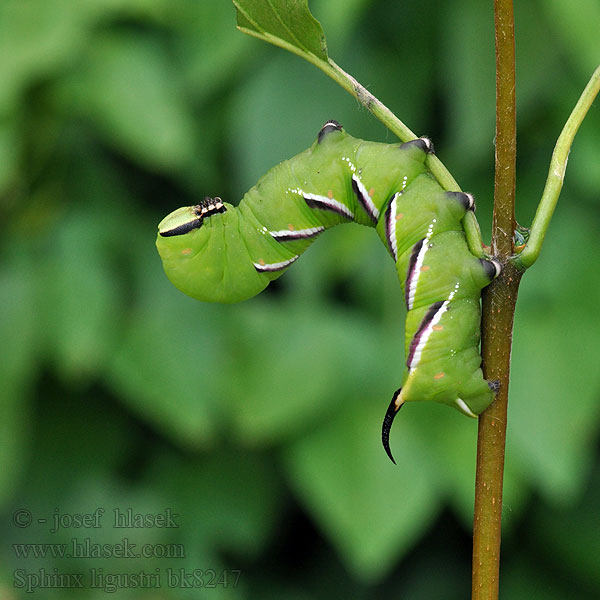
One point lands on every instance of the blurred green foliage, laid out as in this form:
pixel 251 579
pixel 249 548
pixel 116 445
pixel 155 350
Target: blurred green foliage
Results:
pixel 258 424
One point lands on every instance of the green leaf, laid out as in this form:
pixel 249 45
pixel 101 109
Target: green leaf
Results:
pixel 78 295
pixel 277 393
pixel 372 510
pixel 82 430
pixel 168 367
pixel 291 26
pixel 578 30
pixel 285 23
pixel 339 30
pixel 568 536
pixel 129 87
pixel 469 62
pixel 526 576
pixel 10 147
pixel 229 499
pixel 36 39
pixel 210 50
pixel 451 440
pixel 553 409
pixel 19 362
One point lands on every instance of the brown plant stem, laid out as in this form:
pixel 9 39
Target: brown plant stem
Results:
pixel 498 311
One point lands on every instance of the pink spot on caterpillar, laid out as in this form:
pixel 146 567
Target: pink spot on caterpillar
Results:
pixel 186 251
pixel 424 268
pixel 330 194
pixel 371 192
pixel 290 227
pixel 437 327
pixel 399 216
pixel 439 375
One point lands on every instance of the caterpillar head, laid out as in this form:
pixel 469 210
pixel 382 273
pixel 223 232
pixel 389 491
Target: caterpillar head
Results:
pixel 187 218
pixel 205 256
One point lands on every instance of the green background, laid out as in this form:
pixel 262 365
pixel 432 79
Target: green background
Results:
pixel 259 423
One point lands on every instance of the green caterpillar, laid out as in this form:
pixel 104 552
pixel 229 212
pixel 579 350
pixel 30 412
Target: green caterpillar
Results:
pixel 219 253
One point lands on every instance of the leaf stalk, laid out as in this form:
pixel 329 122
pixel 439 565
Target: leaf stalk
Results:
pixel 556 174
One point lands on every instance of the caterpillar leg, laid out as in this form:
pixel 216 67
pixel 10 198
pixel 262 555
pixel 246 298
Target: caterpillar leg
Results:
pixel 494 385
